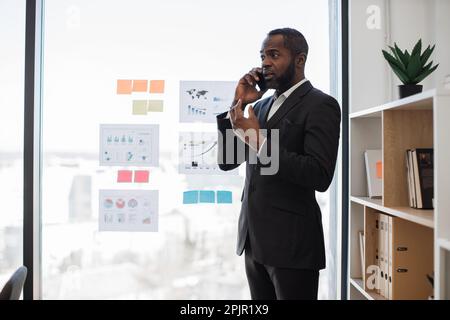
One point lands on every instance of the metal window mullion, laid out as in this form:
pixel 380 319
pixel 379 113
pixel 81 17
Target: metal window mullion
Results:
pixel 345 145
pixel 335 208
pixel 32 148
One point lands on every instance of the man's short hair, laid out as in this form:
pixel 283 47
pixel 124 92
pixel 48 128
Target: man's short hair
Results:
pixel 293 40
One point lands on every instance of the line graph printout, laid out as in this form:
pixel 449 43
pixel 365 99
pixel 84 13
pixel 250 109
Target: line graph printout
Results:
pixel 129 145
pixel 198 154
pixel 202 101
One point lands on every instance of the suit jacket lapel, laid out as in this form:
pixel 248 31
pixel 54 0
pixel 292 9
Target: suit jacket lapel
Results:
pixel 293 100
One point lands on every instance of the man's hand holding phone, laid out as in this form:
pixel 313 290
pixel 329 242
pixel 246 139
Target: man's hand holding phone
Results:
pixel 246 88
pixel 247 128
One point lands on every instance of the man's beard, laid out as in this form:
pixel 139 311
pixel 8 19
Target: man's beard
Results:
pixel 284 82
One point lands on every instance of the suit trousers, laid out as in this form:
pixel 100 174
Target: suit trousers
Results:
pixel 274 283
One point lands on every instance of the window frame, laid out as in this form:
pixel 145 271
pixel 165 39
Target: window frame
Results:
pixel 32 147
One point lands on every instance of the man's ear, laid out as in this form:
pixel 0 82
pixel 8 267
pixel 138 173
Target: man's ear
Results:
pixel 300 59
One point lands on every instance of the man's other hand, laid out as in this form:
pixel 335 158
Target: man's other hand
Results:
pixel 247 129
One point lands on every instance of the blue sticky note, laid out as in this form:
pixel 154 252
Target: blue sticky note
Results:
pixel 190 197
pixel 224 197
pixel 207 197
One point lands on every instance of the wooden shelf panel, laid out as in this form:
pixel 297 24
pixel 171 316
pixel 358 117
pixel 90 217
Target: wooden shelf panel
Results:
pixel 370 295
pixel 422 217
pixel 402 130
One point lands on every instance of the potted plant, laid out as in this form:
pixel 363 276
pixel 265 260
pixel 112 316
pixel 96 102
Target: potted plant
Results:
pixel 411 68
pixel 430 278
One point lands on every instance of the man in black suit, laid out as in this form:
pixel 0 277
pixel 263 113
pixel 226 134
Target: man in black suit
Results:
pixel 280 225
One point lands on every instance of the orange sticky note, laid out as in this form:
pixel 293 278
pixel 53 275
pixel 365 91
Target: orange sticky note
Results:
pixel 124 86
pixel 124 175
pixel 141 176
pixel 379 170
pixel 156 86
pixel 140 85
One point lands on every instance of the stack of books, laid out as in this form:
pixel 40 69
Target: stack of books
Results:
pixel 419 167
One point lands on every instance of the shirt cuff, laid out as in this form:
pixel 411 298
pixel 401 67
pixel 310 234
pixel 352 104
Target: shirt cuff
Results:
pixel 252 143
pixel 261 146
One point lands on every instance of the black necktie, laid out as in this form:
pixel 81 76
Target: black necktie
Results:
pixel 270 106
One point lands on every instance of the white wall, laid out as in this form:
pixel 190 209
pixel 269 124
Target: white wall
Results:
pixel 368 70
pixel 402 21
pixel 410 20
pixel 442 38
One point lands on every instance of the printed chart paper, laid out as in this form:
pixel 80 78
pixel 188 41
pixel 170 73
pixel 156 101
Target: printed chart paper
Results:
pixel 129 145
pixel 198 154
pixel 128 210
pixel 202 101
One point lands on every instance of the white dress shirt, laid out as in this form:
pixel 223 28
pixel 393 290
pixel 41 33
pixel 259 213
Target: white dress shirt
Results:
pixel 278 102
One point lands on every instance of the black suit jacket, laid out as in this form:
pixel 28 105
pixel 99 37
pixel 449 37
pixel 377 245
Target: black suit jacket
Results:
pixel 279 213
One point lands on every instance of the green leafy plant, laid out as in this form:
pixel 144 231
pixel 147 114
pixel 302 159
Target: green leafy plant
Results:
pixel 411 68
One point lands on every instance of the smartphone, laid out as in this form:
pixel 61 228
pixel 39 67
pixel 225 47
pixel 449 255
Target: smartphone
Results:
pixel 262 82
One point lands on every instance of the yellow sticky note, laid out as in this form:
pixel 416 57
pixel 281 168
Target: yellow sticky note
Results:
pixel 156 86
pixel 140 107
pixel 155 105
pixel 140 85
pixel 124 86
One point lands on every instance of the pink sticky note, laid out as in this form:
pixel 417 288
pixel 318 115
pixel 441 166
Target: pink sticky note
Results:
pixel 124 175
pixel 141 176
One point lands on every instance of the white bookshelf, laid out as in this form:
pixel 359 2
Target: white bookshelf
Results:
pixel 422 217
pixel 444 244
pixel 418 121
pixel 369 295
